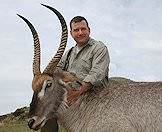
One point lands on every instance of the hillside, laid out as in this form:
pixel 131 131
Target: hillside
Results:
pixel 15 122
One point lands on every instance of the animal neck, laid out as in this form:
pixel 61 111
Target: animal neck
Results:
pixel 65 107
pixel 62 108
pixel 64 104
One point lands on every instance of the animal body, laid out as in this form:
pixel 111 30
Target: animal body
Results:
pixel 124 106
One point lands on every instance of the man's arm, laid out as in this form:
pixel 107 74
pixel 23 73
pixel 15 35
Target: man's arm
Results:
pixel 98 72
pixel 100 66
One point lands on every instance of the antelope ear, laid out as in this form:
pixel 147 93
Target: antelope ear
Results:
pixel 68 77
pixel 69 80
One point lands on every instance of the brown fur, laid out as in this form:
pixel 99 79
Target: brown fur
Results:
pixel 38 81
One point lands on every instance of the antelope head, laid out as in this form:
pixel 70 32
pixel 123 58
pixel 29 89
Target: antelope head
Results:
pixel 48 89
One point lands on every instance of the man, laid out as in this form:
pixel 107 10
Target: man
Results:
pixel 88 60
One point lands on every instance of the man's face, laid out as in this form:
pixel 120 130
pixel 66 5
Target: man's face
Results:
pixel 80 32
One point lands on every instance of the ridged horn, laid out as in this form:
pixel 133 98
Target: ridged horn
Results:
pixel 36 59
pixel 55 60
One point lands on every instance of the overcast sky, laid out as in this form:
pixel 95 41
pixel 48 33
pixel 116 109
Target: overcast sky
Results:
pixel 131 29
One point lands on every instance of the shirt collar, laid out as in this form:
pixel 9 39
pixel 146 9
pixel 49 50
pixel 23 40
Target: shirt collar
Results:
pixel 90 42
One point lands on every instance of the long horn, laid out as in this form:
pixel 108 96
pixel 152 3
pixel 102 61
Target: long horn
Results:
pixel 36 59
pixel 55 60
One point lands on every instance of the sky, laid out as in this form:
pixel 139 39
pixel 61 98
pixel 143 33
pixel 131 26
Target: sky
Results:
pixel 131 29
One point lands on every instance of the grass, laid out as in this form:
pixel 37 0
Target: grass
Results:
pixel 15 128
pixel 21 128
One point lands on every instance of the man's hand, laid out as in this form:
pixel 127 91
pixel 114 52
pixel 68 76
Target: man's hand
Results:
pixel 85 86
pixel 73 94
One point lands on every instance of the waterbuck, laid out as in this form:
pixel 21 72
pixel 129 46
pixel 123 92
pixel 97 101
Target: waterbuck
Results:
pixel 124 106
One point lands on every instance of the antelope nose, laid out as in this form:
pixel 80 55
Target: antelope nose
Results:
pixel 30 123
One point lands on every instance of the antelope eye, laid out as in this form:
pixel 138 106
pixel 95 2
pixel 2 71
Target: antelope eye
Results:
pixel 49 84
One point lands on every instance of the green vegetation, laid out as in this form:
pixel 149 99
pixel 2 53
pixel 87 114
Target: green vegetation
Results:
pixel 15 122
pixel 15 128
pixel 20 128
